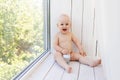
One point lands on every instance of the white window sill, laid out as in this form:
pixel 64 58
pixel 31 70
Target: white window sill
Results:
pixel 28 70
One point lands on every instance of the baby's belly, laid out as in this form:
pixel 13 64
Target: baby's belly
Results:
pixel 67 46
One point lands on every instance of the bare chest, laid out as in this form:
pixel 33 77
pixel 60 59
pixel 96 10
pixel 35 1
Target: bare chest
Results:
pixel 65 38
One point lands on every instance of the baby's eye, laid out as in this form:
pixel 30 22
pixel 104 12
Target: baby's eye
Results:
pixel 61 24
pixel 67 24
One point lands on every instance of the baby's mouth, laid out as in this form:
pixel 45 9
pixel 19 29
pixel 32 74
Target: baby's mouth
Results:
pixel 64 29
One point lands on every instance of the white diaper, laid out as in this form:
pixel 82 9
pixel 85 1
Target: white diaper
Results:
pixel 67 57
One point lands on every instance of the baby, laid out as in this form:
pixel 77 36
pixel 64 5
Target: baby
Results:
pixel 63 46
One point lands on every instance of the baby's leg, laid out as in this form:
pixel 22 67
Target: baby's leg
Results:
pixel 60 60
pixel 86 59
pixel 90 61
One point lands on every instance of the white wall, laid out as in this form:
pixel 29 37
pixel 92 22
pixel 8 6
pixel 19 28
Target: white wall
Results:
pixel 88 39
pixel 108 30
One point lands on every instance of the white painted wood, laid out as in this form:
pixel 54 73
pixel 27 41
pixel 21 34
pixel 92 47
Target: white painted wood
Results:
pixel 40 72
pixel 99 74
pixel 50 70
pixel 58 7
pixel 109 39
pixel 86 73
pixel 98 23
pixel 100 34
pixel 55 73
pixel 88 18
pixel 77 20
pixel 74 74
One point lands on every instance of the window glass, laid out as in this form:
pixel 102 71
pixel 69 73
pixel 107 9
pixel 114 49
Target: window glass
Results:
pixel 22 35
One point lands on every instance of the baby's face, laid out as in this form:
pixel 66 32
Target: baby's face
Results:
pixel 64 24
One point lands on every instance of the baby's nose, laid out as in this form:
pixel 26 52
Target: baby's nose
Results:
pixel 64 25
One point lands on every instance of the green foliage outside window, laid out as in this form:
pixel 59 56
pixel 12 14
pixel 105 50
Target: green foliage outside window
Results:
pixel 21 35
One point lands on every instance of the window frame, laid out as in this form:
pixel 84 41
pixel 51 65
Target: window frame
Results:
pixel 46 39
pixel 47 24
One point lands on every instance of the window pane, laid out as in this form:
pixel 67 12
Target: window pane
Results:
pixel 21 35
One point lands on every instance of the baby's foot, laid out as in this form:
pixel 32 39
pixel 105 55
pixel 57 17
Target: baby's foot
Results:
pixel 90 61
pixel 95 62
pixel 69 69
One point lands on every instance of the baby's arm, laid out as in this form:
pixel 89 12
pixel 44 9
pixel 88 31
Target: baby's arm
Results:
pixel 78 44
pixel 56 42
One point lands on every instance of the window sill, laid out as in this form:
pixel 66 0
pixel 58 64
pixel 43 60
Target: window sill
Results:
pixel 28 70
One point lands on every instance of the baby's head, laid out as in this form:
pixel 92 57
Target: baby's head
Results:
pixel 64 23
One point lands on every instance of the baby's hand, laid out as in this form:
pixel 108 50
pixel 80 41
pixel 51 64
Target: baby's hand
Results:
pixel 65 51
pixel 83 53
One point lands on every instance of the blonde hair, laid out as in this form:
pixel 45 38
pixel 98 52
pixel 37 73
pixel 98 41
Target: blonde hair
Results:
pixel 64 16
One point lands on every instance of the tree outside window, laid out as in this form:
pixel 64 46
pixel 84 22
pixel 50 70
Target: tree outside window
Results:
pixel 21 35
